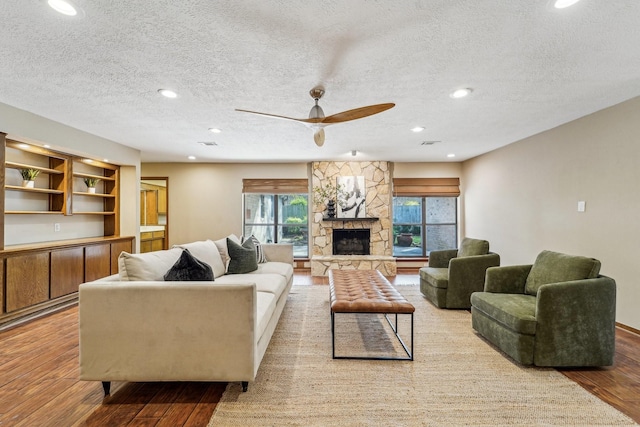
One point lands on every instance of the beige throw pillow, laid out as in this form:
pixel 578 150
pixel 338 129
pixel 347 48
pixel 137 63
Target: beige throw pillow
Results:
pixel 149 266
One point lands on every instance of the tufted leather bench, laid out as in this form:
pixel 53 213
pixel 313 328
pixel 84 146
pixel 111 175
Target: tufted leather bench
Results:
pixel 369 292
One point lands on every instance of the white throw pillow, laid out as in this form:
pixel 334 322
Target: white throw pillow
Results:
pixel 221 244
pixel 149 266
pixel 206 251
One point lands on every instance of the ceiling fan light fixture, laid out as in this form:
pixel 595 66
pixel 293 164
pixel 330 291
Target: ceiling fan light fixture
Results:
pixel 461 93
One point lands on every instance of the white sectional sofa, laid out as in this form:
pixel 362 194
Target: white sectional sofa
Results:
pixel 135 326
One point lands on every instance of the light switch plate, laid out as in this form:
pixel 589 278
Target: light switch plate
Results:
pixel 582 206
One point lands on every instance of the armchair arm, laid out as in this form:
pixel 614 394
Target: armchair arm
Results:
pixel 507 280
pixel 281 252
pixel 466 275
pixel 576 323
pixel 440 259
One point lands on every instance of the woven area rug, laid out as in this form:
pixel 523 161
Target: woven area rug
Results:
pixel 456 379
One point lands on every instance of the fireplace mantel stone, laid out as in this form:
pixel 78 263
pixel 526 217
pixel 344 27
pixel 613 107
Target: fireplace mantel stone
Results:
pixel 321 264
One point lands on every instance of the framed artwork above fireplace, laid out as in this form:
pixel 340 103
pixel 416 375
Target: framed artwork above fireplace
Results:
pixel 351 199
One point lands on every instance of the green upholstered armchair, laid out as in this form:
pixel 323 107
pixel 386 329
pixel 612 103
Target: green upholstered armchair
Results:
pixel 557 312
pixel 454 274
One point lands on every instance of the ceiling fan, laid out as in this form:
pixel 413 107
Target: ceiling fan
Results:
pixel 317 120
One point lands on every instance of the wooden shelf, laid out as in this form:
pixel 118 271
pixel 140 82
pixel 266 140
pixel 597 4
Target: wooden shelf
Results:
pixel 14 165
pixel 94 213
pixel 81 193
pixel 33 190
pixel 89 175
pixel 34 212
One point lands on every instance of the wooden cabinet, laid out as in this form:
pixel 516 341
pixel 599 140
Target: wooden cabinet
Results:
pixel 27 280
pixel 67 271
pixel 42 276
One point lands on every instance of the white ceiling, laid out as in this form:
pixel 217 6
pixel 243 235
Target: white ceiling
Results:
pixel 532 68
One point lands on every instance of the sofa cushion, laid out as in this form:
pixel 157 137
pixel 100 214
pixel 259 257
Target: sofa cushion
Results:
pixel 149 266
pixel 221 244
pixel 515 311
pixel 471 247
pixel 272 283
pixel 242 257
pixel 207 252
pixel 266 306
pixel 282 268
pixel 189 268
pixel 436 277
pixel 260 256
pixel 554 267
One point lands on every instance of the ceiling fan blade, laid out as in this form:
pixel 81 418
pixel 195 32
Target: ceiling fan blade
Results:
pixel 357 113
pixel 275 116
pixel 318 137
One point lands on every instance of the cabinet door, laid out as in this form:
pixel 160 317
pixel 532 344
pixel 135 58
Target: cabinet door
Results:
pixel 67 271
pixel 27 280
pixel 1 286
pixel 97 259
pixel 116 248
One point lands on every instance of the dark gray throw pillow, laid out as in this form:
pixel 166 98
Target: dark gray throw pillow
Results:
pixel 243 257
pixel 189 268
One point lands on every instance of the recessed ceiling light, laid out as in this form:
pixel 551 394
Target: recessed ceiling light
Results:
pixel 461 93
pixel 561 4
pixel 23 146
pixel 451 155
pixel 191 157
pixel 88 161
pixel 46 146
pixel 214 130
pixel 62 6
pixel 167 93
pixel 417 129
pixel 105 160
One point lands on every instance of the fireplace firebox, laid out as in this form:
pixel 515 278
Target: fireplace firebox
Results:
pixel 351 241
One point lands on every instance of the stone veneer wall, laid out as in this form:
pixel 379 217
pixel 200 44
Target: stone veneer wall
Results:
pixel 378 204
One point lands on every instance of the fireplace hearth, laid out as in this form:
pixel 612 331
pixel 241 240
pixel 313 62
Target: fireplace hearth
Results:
pixel 351 241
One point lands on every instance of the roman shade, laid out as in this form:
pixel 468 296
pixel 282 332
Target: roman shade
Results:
pixel 421 187
pixel 275 186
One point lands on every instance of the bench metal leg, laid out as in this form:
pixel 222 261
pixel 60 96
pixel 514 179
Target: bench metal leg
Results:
pixel 394 328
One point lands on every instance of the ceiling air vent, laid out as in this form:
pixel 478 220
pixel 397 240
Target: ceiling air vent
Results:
pixel 429 142
pixel 208 143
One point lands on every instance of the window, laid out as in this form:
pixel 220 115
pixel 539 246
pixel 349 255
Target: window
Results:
pixel 277 217
pixel 425 215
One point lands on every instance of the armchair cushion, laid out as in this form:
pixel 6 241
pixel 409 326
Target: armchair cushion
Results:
pixel 471 247
pixel 518 312
pixel 436 277
pixel 554 267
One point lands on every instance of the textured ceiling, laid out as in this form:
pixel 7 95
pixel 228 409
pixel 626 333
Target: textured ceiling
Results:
pixel 532 68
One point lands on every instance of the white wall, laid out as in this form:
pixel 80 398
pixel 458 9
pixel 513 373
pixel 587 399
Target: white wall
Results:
pixel 205 199
pixel 523 197
pixel 28 127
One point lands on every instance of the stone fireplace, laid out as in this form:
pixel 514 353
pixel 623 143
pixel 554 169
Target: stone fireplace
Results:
pixel 377 220
pixel 351 242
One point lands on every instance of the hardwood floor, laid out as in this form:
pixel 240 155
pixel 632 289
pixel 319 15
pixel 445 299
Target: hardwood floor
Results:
pixel 39 380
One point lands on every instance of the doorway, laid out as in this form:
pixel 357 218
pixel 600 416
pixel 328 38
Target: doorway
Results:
pixel 154 214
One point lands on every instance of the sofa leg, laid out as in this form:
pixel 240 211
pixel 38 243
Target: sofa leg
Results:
pixel 245 385
pixel 106 386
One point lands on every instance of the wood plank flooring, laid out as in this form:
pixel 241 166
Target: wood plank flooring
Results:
pixel 39 383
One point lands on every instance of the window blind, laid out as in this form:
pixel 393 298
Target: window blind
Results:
pixel 419 187
pixel 275 186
